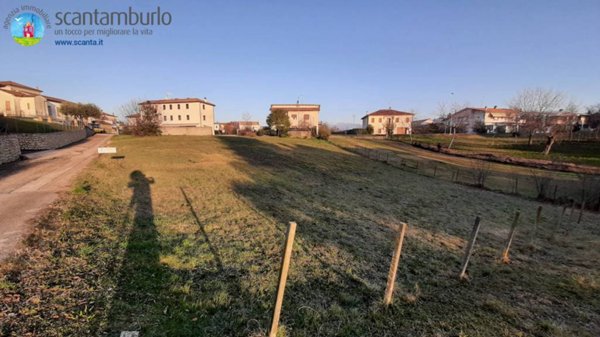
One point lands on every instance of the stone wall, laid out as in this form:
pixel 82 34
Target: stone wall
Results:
pixel 49 141
pixel 9 148
pixel 187 131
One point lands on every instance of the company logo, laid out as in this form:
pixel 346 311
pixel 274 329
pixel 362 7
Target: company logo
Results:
pixel 27 29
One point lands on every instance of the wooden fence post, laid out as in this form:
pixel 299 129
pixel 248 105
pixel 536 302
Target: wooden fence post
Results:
pixel 516 184
pixel 555 190
pixel 562 214
pixel 434 170
pixel 391 280
pixel 511 235
pixel 285 266
pixel 581 212
pixel 538 217
pixel 469 249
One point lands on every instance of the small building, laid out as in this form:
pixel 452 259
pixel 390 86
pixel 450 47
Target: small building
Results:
pixel 243 126
pixel 399 121
pixel 302 116
pixel 185 116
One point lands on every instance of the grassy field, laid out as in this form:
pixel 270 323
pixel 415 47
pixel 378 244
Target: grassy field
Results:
pixel 27 41
pixel 183 237
pixel 558 187
pixel 584 152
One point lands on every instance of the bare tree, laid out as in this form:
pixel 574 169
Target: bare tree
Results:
pixel 533 105
pixel 246 117
pixel 389 126
pixel 481 171
pixel 130 108
pixel 542 183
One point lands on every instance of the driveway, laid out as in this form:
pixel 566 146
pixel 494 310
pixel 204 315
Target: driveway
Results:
pixel 28 187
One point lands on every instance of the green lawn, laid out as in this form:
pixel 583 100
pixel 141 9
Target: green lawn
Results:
pixel 584 152
pixel 27 41
pixel 183 237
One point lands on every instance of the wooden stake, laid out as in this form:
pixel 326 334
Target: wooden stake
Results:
pixel 391 280
pixel 538 217
pixel 581 212
pixel 516 185
pixel 559 222
pixel 555 190
pixel 469 249
pixel 434 170
pixel 511 235
pixel 572 211
pixel 285 265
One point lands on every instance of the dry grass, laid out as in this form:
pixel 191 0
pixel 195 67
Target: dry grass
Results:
pixel 183 238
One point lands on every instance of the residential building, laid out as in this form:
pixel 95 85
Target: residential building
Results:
pixel 399 121
pixel 495 119
pixel 189 116
pixel 19 100
pixel 238 127
pixel 302 116
pixel 422 122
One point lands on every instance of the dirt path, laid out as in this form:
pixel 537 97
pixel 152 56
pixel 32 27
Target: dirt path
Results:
pixel 27 187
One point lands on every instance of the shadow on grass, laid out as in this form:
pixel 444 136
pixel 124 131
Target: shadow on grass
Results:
pixel 160 300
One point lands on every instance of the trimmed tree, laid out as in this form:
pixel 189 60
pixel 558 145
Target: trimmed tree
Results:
pixel 81 111
pixel 148 122
pixel 279 120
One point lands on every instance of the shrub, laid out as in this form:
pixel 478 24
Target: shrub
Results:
pixel 370 129
pixel 480 128
pixel 324 131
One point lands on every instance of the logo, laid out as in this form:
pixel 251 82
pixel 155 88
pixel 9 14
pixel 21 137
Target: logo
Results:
pixel 27 29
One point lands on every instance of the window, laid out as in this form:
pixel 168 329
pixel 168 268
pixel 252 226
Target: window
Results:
pixel 379 119
pixel 165 117
pixel 187 117
pixel 380 130
pixel 178 117
pixel 203 107
pixel 171 108
pixel 28 107
pixel 204 117
pixel 171 117
pixel 187 106
pixel 397 119
pixel 372 119
pixel 178 106
pixel 7 104
pixel 407 119
pixel 306 117
pixel 164 107
pixel 294 116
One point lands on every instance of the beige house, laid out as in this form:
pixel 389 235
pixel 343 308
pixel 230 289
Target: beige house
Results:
pixel 302 116
pixel 380 120
pixel 18 100
pixel 494 119
pixel 185 116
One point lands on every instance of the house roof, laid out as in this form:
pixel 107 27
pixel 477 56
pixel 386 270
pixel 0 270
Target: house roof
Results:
pixel 296 107
pixel 18 93
pixel 388 112
pixel 18 85
pixel 54 99
pixel 178 100
pixel 494 110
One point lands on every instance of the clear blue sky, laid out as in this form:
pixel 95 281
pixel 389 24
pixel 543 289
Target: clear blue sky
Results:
pixel 349 56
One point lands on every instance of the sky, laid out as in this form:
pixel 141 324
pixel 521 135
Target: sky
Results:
pixel 351 57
